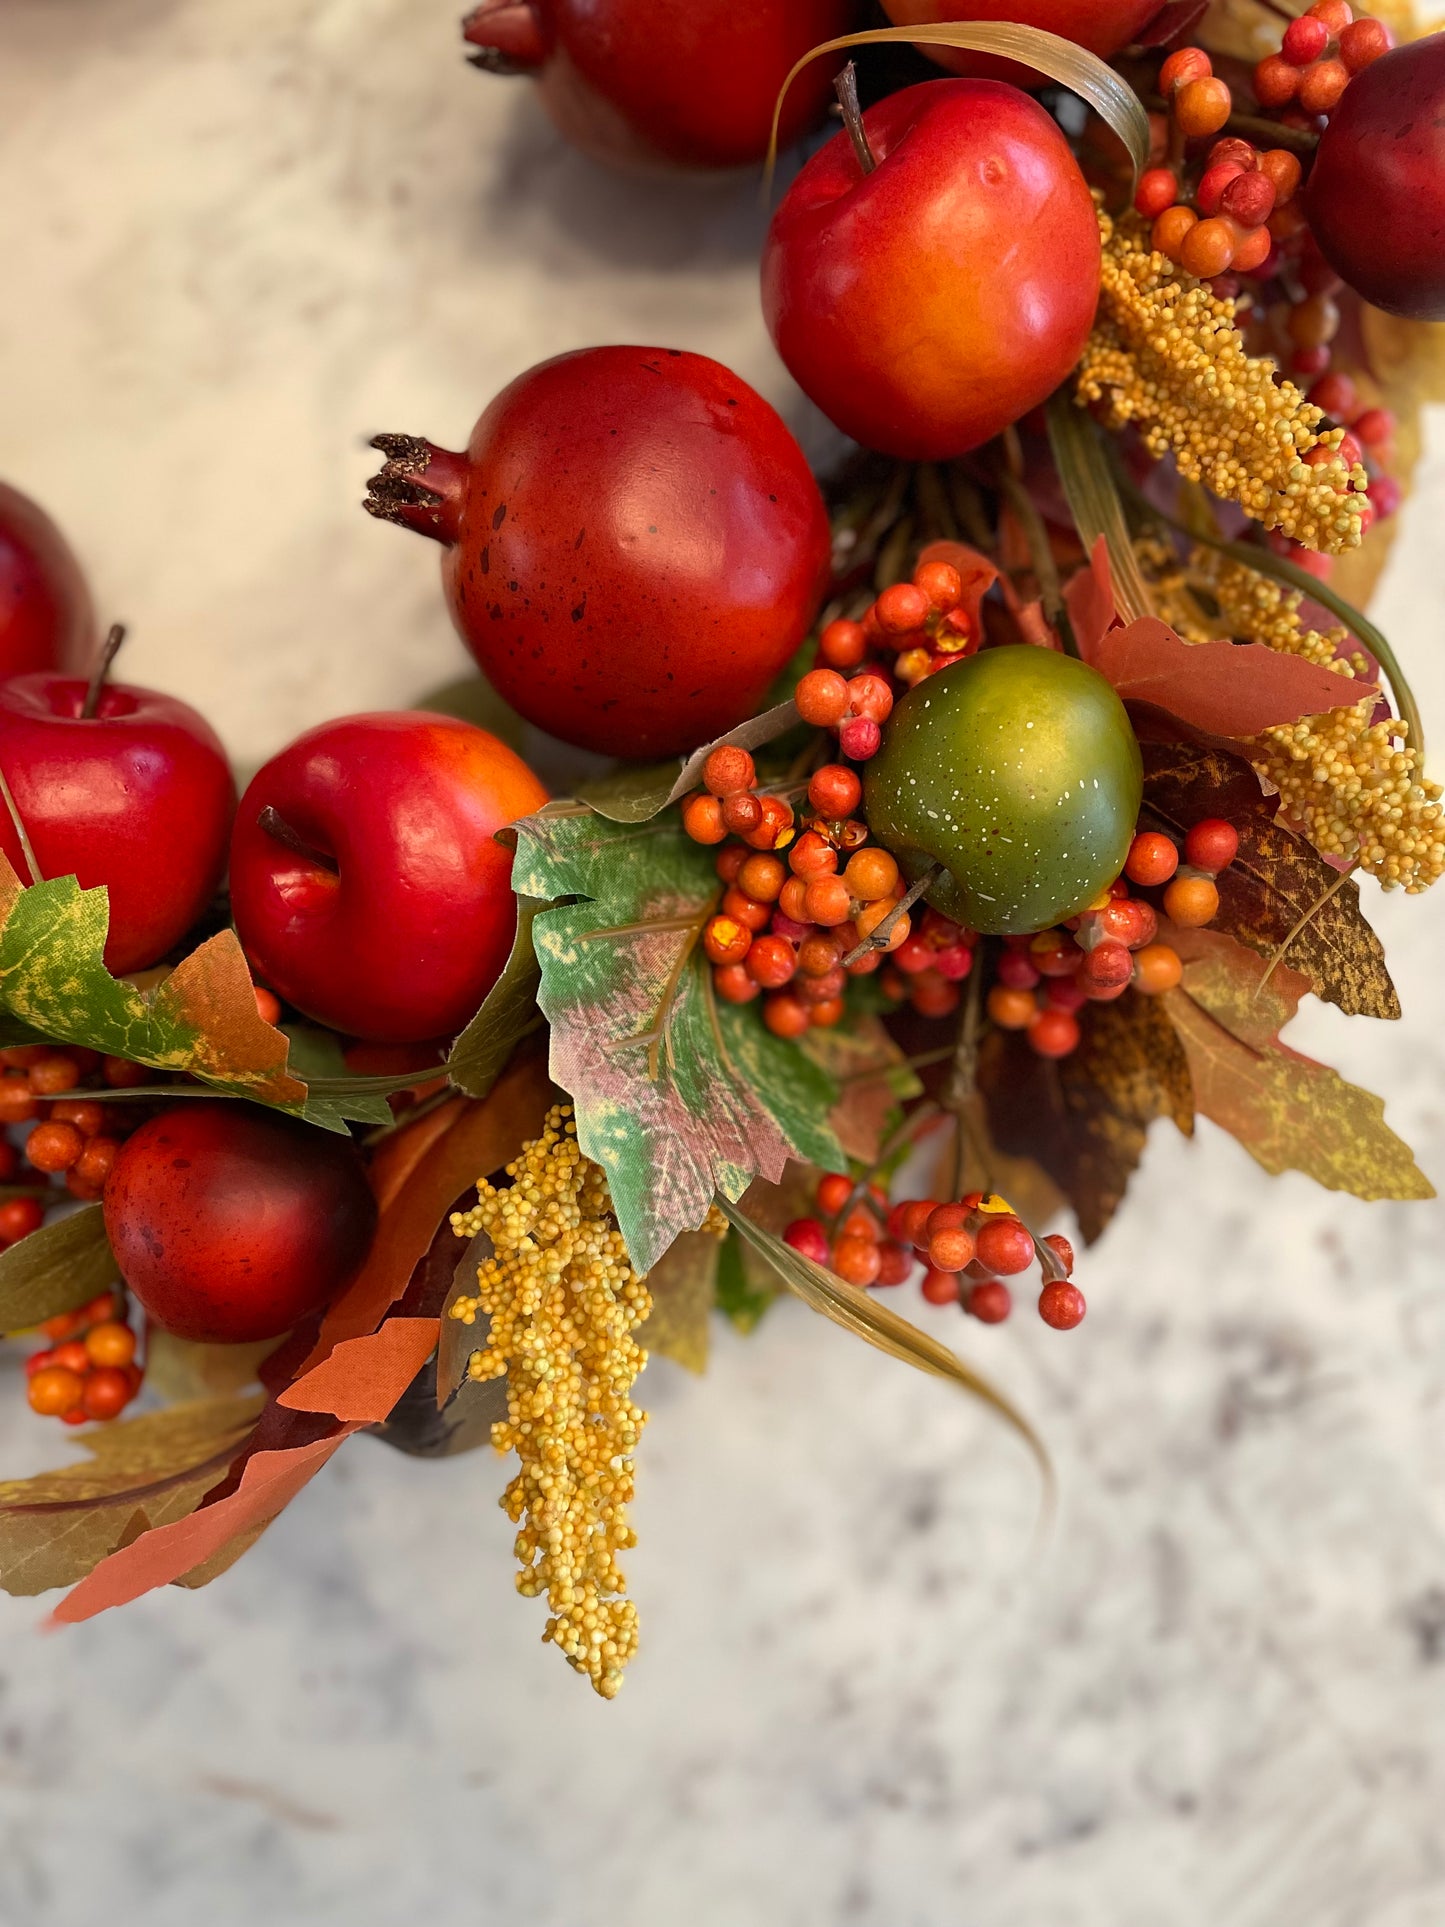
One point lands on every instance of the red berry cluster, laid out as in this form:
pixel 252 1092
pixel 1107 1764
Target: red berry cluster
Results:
pixel 76 1137
pixel 1042 981
pixel 923 625
pixel 1226 223
pixel 856 707
pixel 798 895
pixel 1319 55
pixel 930 965
pixel 966 1247
pixel 89 1369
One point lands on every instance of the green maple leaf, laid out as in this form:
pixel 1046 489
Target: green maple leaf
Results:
pixel 678 1095
pixel 201 1019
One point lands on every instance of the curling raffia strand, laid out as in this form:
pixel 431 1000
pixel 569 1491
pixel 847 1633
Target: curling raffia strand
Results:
pixel 1166 356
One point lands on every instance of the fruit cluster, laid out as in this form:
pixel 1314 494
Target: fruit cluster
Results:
pixel 799 893
pixel 921 625
pixel 1226 222
pixel 967 1247
pixel 1320 53
pixel 74 1136
pixel 89 1368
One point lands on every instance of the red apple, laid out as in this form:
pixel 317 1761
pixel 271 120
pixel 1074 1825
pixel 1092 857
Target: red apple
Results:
pixel 1376 193
pixel 1103 26
pixel 46 620
pixel 928 303
pixel 138 797
pixel 678 83
pixel 366 882
pixel 635 545
pixel 231 1223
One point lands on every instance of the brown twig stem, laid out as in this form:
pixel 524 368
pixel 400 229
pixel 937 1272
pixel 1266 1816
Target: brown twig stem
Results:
pixel 846 88
pixel 95 688
pixel 878 940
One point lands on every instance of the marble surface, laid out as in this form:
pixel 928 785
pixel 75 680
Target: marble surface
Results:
pixel 239 236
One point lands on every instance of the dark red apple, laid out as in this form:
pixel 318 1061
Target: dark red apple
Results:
pixel 679 83
pixel 46 621
pixel 138 797
pixel 1103 26
pixel 366 882
pixel 1376 192
pixel 635 545
pixel 231 1223
pixel 928 303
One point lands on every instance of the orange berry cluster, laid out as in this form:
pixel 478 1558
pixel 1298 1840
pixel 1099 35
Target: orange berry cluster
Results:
pixel 75 1136
pixel 966 1247
pixel 89 1369
pixel 799 892
pixel 922 624
pixel 1230 220
pixel 1319 55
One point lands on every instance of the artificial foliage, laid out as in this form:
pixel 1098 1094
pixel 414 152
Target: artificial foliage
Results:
pixel 742 1007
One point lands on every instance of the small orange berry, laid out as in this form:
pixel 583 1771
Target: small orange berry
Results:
pixel 822 698
pixel 1202 107
pixel 1012 1009
pixel 762 877
pixel 54 1146
pixel 55 1390
pixel 1191 902
pixel 701 818
pixel 1156 969
pixel 1168 233
pixel 110 1344
pixel 871 873
pixel 728 770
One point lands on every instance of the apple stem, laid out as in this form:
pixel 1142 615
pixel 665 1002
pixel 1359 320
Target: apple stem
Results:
pixel 879 939
pixel 846 88
pixel 109 650
pixel 274 824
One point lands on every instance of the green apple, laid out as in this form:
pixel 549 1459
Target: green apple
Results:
pixel 1017 770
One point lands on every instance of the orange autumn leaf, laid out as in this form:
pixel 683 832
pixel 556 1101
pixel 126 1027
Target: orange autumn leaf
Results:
pixel 362 1378
pixel 268 1483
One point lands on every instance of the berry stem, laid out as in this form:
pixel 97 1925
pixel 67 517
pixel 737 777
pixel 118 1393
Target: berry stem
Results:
pixel 1041 553
pixel 846 88
pixel 879 938
pixel 274 824
pixel 963 1079
pixel 1272 133
pixel 109 650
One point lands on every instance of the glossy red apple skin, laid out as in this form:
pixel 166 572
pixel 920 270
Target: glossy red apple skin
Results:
pixel 928 304
pixel 1376 192
pixel 668 83
pixel 635 545
pixel 1103 26
pixel 138 797
pixel 231 1223
pixel 406 937
pixel 46 619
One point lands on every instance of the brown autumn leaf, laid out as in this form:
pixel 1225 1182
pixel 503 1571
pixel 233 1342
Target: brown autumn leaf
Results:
pixel 1292 1114
pixel 1085 1118
pixel 1236 986
pixel 684 1290
pixel 872 1078
pixel 179 1369
pixel 1279 889
pixel 142 1472
pixel 1021 1180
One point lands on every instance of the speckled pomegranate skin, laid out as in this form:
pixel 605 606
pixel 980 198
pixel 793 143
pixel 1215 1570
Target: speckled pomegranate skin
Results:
pixel 641 548
pixel 231 1224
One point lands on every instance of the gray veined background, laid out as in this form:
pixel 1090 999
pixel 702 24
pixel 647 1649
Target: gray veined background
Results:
pixel 239 236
